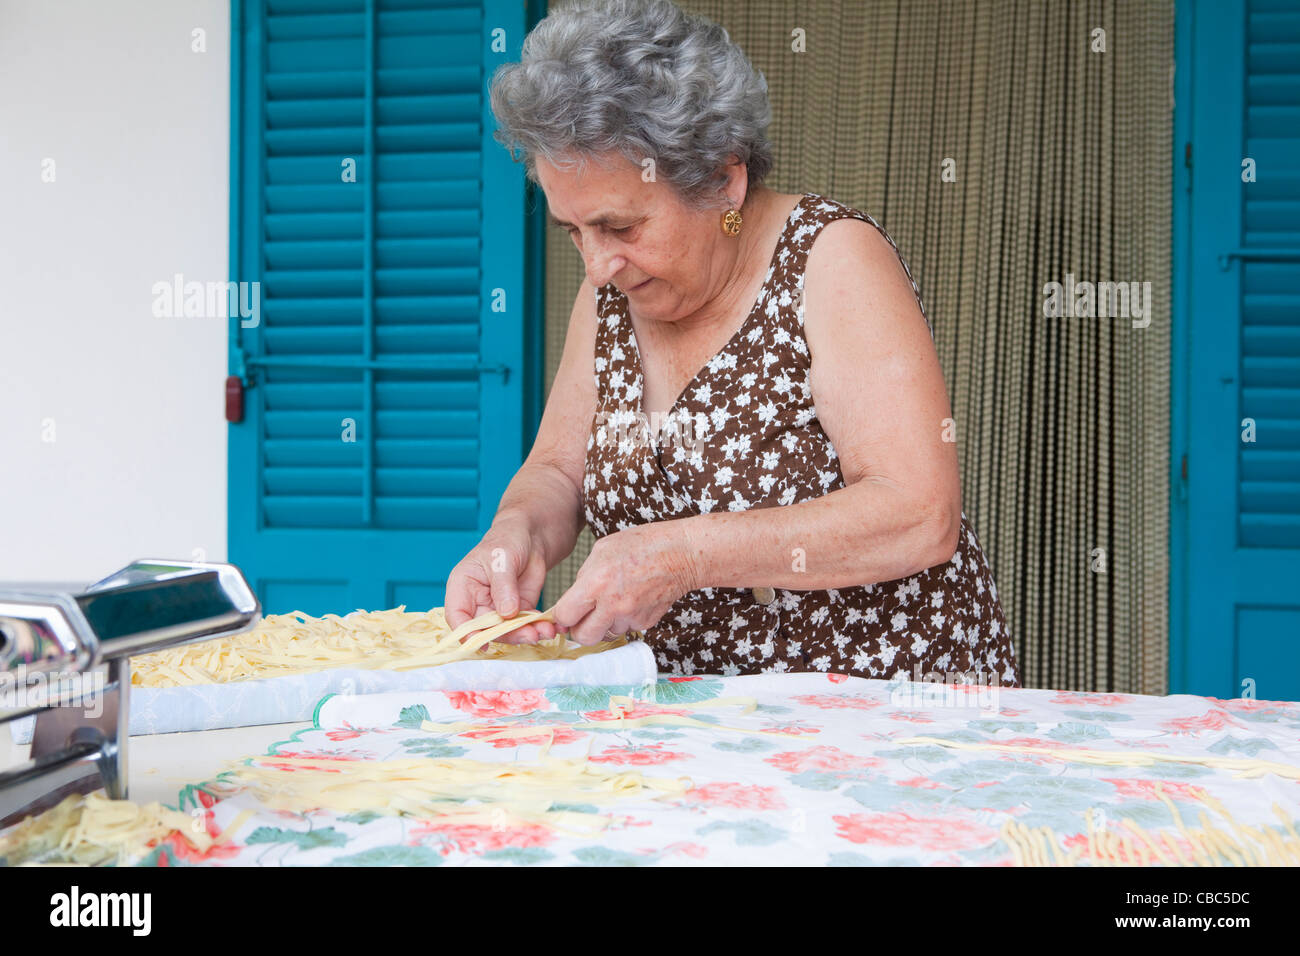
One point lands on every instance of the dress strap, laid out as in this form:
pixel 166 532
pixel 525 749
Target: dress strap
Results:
pixel 828 210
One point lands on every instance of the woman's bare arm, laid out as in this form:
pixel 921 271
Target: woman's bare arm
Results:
pixel 546 493
pixel 881 399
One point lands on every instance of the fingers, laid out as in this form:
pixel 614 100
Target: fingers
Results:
pixel 505 587
pixel 525 635
pixel 572 611
pixel 596 626
pixel 465 598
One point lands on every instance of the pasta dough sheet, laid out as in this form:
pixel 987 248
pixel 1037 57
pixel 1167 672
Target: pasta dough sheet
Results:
pixel 396 639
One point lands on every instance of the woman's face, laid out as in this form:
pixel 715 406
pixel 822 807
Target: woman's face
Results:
pixel 668 259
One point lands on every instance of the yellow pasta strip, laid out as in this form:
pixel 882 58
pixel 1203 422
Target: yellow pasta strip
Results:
pixel 1173 848
pixel 1141 835
pixel 1278 846
pixel 1041 846
pixel 1092 836
pixel 1010 838
pixel 1130 853
pixel 1057 857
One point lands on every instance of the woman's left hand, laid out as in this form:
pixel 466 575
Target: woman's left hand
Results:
pixel 628 582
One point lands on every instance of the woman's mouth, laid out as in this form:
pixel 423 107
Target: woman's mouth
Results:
pixel 641 286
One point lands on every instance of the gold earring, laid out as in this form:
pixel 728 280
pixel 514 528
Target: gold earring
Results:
pixel 731 223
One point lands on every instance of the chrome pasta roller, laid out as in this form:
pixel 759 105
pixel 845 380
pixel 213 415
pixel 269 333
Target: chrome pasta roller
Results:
pixel 65 658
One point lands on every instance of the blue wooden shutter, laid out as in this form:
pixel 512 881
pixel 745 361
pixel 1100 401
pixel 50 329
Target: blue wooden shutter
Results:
pixel 1242 507
pixel 392 307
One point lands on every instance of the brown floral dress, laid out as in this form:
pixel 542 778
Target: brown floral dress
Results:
pixel 744 434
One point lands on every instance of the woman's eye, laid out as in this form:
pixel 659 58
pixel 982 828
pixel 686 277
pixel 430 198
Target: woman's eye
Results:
pixel 574 233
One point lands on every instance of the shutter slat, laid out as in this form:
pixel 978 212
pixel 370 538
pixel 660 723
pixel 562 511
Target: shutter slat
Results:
pixel 1270 464
pixel 1271 402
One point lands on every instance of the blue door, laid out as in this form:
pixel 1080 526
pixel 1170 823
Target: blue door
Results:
pixel 1236 542
pixel 385 229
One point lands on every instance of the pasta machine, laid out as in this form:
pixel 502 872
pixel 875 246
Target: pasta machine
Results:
pixel 66 658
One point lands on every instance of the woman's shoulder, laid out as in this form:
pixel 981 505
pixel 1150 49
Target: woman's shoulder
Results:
pixel 824 207
pixel 865 242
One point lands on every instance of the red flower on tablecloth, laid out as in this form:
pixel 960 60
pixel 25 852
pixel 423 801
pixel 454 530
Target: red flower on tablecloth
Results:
pixel 904 830
pixel 911 717
pixel 922 783
pixel 682 680
pixel 645 756
pixel 820 758
pixel 319 755
pixel 799 729
pixel 1035 742
pixel 182 849
pixel 497 703
pixel 478 838
pixel 1250 705
pixel 625 822
pixel 837 678
pixel 1146 789
pixel 693 850
pixel 1088 700
pixel 837 701
pixel 737 795
pixel 346 732
pixel 639 709
pixel 546 733
pixel 1213 719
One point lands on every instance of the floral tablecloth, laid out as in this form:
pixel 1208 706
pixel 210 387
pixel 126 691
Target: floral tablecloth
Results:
pixel 816 773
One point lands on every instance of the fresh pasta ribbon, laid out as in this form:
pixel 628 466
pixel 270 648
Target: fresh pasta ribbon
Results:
pixel 396 639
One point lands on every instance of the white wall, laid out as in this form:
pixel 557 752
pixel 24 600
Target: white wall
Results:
pixel 138 127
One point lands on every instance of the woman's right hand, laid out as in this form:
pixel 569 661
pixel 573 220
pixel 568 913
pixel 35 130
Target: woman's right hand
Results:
pixel 504 573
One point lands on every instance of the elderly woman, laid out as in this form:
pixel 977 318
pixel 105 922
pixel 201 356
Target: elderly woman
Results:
pixel 749 413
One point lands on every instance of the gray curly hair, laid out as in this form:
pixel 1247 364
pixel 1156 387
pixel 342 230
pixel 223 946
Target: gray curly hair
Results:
pixel 641 78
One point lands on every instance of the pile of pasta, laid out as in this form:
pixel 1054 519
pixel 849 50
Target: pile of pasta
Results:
pixel 1130 844
pixel 93 830
pixel 396 639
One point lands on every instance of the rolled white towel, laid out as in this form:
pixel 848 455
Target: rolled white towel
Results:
pixel 278 700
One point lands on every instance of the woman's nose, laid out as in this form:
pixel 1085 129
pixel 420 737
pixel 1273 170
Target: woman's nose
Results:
pixel 602 266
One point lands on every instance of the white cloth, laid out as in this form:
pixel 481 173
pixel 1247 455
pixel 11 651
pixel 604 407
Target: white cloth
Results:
pixel 277 700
